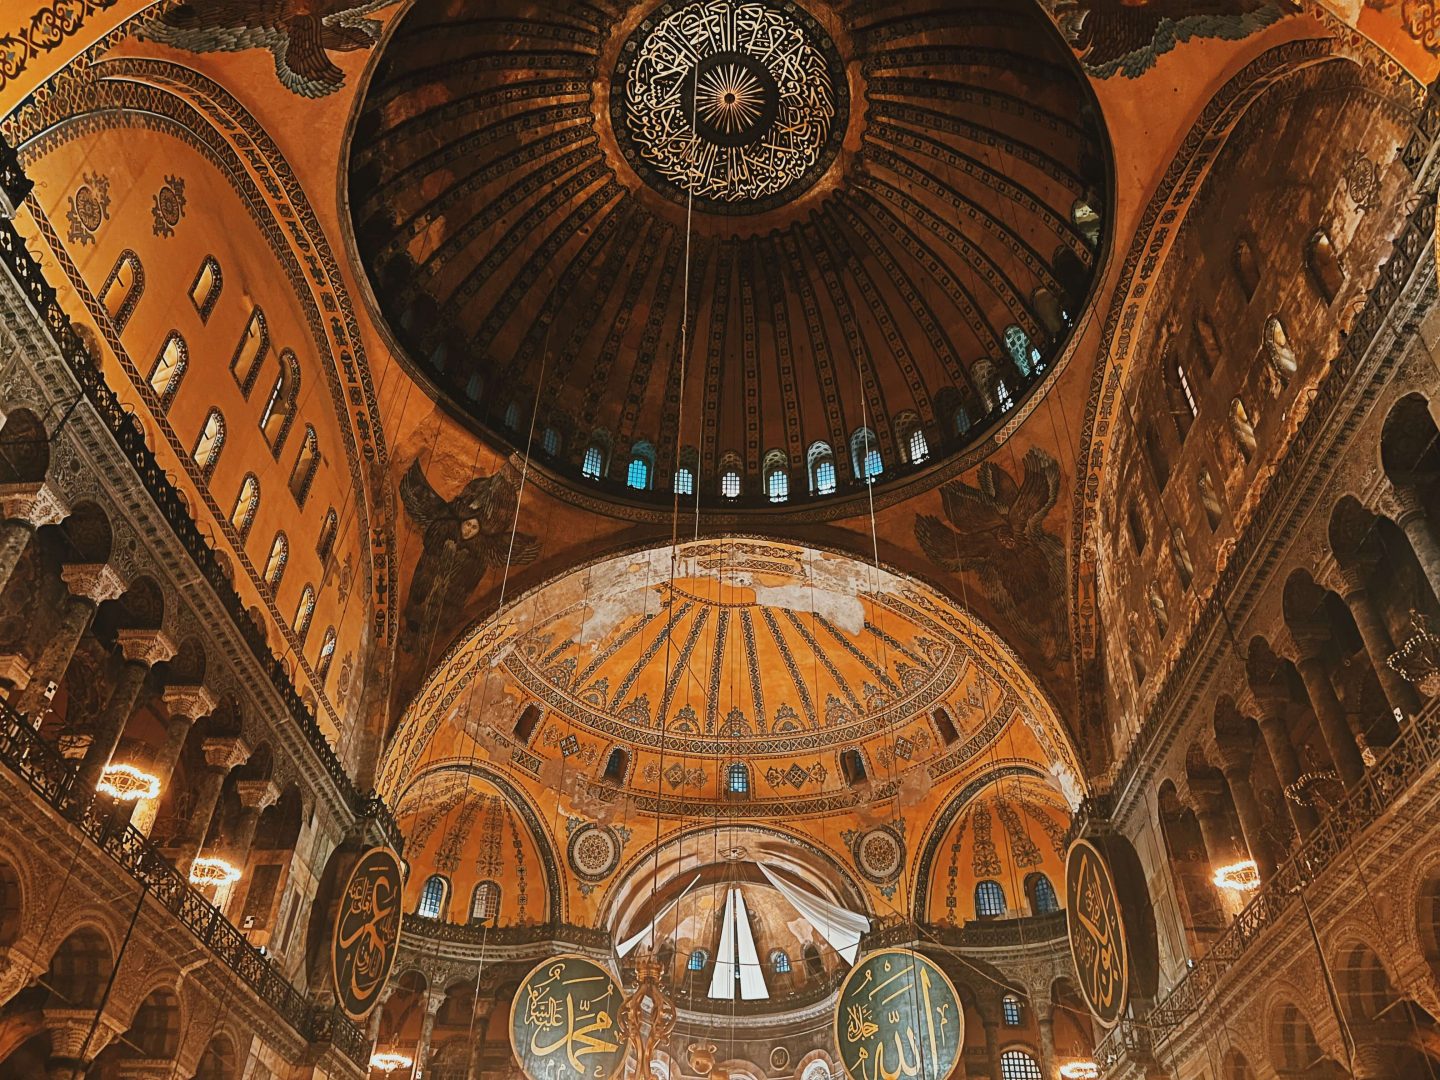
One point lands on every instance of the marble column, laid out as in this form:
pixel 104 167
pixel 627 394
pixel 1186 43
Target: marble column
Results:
pixel 1329 713
pixel 433 1000
pixel 1415 524
pixel 1271 703
pixel 142 649
pixel 992 1045
pixel 23 509
pixel 1212 814
pixel 1045 1022
pixel 1236 758
pixel 184 704
pixel 1376 636
pixel 222 754
pixel 255 796
pixel 90 585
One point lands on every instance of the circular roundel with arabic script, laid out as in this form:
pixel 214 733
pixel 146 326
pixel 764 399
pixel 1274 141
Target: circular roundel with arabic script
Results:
pixel 565 1021
pixel 367 931
pixel 1097 932
pixel 898 1015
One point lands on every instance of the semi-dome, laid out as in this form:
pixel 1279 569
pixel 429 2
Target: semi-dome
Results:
pixel 890 219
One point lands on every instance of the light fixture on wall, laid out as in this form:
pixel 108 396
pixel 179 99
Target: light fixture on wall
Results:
pixel 126 783
pixel 207 870
pixel 1080 1070
pixel 1242 876
pixel 388 1061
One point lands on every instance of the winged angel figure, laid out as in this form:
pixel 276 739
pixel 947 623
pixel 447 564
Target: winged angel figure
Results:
pixel 1000 537
pixel 300 33
pixel 1127 36
pixel 464 538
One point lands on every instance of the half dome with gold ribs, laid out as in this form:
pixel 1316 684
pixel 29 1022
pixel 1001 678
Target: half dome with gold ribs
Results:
pixel 890 215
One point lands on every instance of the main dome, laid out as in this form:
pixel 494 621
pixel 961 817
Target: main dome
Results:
pixel 889 216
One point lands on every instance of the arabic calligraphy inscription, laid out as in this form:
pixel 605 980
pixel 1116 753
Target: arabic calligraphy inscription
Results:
pixel 367 931
pixel 898 1016
pixel 564 1021
pixel 1097 933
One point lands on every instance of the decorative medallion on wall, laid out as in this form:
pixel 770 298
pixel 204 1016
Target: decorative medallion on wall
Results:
pixel 1097 933
pixel 594 850
pixel 1362 180
pixel 898 1014
pixel 367 932
pixel 564 1021
pixel 879 853
pixel 740 106
pixel 779 1057
pixel 89 208
pixel 168 206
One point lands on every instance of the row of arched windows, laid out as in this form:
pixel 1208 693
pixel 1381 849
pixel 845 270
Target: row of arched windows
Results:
pixel 737 773
pixel 435 900
pixel 990 897
pixel 779 961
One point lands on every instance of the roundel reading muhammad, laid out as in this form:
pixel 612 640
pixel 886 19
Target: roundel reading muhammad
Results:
pixel 367 931
pixel 1097 933
pixel 565 1021
pixel 898 1015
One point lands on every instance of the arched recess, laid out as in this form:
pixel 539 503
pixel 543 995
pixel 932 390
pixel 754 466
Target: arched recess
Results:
pixel 463 805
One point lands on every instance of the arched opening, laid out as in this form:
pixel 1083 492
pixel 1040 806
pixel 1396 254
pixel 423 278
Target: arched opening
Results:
pixel 865 457
pixel 1199 908
pixel 1041 894
pixel 205 290
pixel 852 767
pixel 821 463
pixel 526 722
pixel 218 1061
pixel 776 471
pixel 209 443
pixel 122 289
pixel 434 897
pixel 79 970
pixel 169 369
pixel 279 411
pixel 1278 352
pixel 247 502
pixel 989 900
pixel 616 765
pixel 302 475
pixel 641 468
pixel 250 351
pixel 1294 1050
pixel 1323 262
pixel 1246 267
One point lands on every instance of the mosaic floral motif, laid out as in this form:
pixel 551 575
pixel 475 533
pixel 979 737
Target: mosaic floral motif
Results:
pixel 1022 848
pixel 795 776
pixel 985 861
pixel 594 850
pixel 1125 38
pixel 1362 180
pixel 879 853
pixel 168 206
pixel 89 208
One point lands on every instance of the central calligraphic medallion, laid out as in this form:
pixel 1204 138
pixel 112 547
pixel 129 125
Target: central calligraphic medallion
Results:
pixel 367 932
pixel 736 106
pixel 898 1015
pixel 564 1021
pixel 1097 933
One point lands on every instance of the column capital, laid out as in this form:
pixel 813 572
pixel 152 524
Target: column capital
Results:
pixel 1353 574
pixel 70 1028
pixel 189 702
pixel 96 582
pixel 1271 701
pixel 1401 501
pixel 147 647
pixel 1311 638
pixel 35 504
pixel 1209 791
pixel 224 752
pixel 256 794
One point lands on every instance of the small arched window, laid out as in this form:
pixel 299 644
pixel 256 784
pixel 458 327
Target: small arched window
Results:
pixel 550 442
pixel 1043 900
pixel 304 612
pixel 593 464
pixel 1018 1065
pixel 615 766
pixel 327 653
pixel 1003 399
pixel 246 503
pixel 1209 352
pixel 1011 1011
pixel 814 966
pixel 865 457
pixel 307 462
pixel 206 289
pixel 917 446
pixel 275 564
pixel 698 959
pixel 642 463
pixel 730 483
pixel 945 726
pixel 1323 262
pixel 1180 556
pixel 1158 610
pixel 433 896
pixel 1243 428
pixel 737 779
pixel 989 900
pixel 512 416
pixel 821 462
pixel 1278 352
pixel 210 443
pixel 1137 658
pixel 1209 499
pixel 325 543
pixel 684 481
pixel 1246 267
pixel 1136 524
pixel 485 902
pixel 250 352
pixel 279 411
pixel 780 962
pixel 1022 352
pixel 777 476
pixel 169 369
pixel 1183 406
pixel 960 420
pixel 122 289
pixel 526 722
pixel 852 767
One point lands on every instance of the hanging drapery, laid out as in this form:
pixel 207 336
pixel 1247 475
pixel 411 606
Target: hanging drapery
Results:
pixel 841 927
pixel 629 943
pixel 752 978
pixel 722 982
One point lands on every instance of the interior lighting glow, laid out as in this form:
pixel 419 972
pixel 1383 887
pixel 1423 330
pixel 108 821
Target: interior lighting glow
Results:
pixel 1080 1070
pixel 1243 876
pixel 128 784
pixel 389 1060
pixel 209 871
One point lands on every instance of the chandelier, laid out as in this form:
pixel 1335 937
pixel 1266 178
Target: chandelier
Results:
pixel 126 783
pixel 1242 876
pixel 1080 1070
pixel 1417 660
pixel 210 871
pixel 388 1061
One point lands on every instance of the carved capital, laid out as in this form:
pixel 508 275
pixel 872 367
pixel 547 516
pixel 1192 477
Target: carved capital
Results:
pixel 70 1028
pixel 1353 575
pixel 35 504
pixel 1209 790
pixel 147 647
pixel 1311 639
pixel 145 1069
pixel 96 582
pixel 256 794
pixel 225 752
pixel 189 702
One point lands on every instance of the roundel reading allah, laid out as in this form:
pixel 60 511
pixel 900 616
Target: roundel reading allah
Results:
pixel 736 107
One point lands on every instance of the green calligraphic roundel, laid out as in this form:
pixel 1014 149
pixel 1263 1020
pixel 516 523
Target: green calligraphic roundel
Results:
pixel 367 931
pixel 1097 933
pixel 898 1015
pixel 564 1021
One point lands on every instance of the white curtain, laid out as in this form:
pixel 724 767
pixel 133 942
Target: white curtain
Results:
pixel 625 946
pixel 841 927
pixel 752 977
pixel 722 983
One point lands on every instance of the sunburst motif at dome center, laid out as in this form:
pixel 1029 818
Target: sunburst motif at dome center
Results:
pixel 730 98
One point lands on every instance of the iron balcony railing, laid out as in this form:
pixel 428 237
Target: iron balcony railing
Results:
pixel 52 778
pixel 130 438
pixel 1397 769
